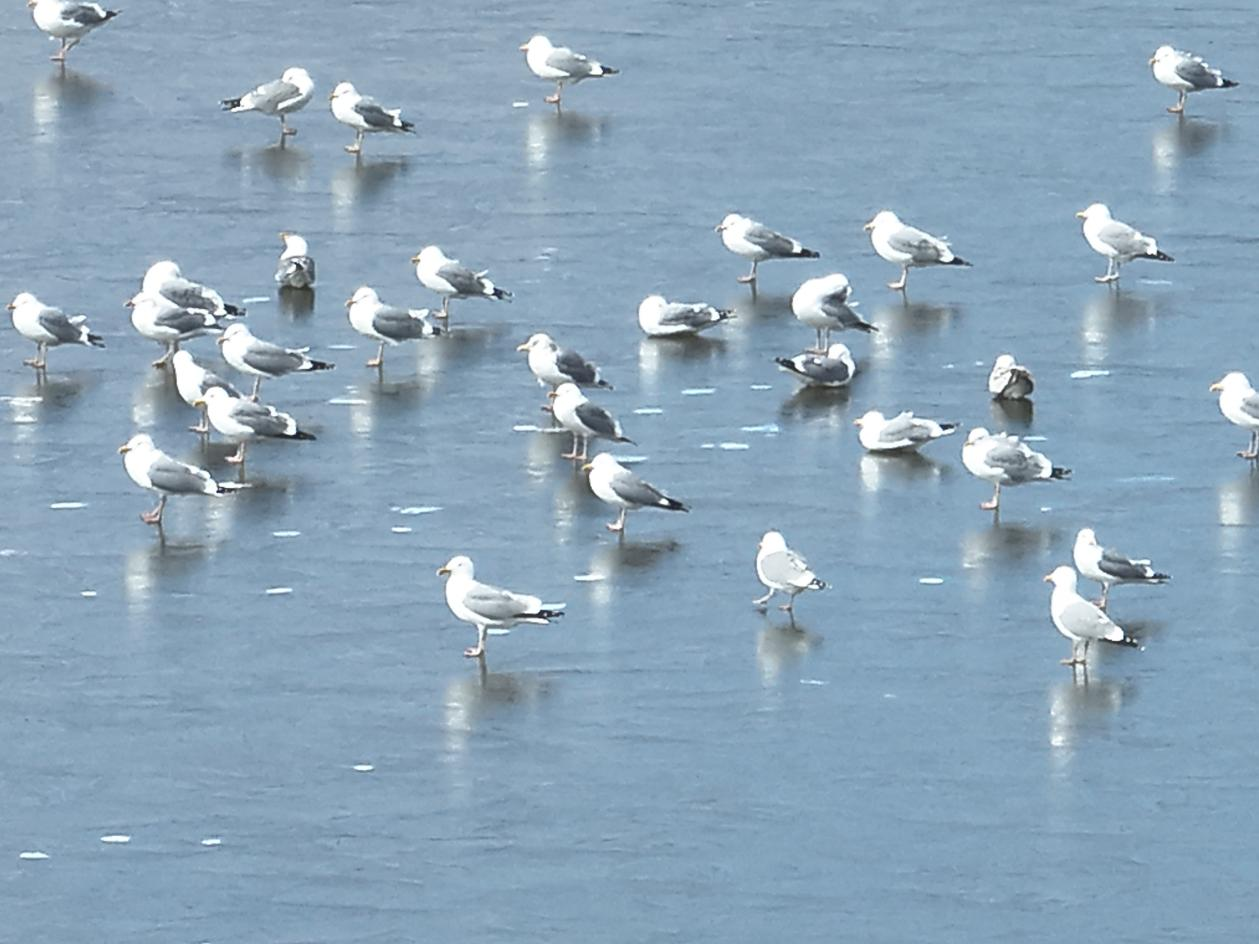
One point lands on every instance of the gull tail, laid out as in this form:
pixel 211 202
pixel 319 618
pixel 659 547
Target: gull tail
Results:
pixel 547 614
pixel 501 294
pixel 786 364
pixel 626 439
pixel 817 584
pixel 404 125
pixel 226 488
pixel 603 384
pixel 1227 83
pixel 319 365
pixel 609 70
pixel 92 340
pixel 1121 638
pixel 803 253
pixel 230 104
pixel 110 14
pixel 671 504
pixel 948 428
pixel 865 326
pixel 233 311
pixel 1058 472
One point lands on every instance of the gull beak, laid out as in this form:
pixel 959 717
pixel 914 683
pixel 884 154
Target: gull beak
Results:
pixel 332 95
pixel 443 571
pixel 219 340
pixel 10 306
pixel 551 394
pixel 588 466
pixel 125 447
pixel 869 225
pixel 284 235
pixel 130 303
pixel 1080 215
pixel 415 260
pixel 1217 386
pixel 198 403
pixel 349 302
pixel 1048 578
pixel 524 47
pixel 1152 58
pixel 519 347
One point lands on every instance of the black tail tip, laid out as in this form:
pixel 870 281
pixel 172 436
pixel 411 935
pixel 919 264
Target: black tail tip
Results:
pixel 95 340
pixel 550 614
pixel 959 261
pixel 321 365
pixel 1228 83
pixel 672 504
pixel 866 327
pixel 233 311
pixel 502 294
pixel 604 385
pixel 408 126
pixel 1060 473
pixel 230 103
pixel 1161 577
pixel 818 584
pixel 724 314
pixel 948 427
pixel 1126 641
pixel 809 254
pixel 784 362
pixel 110 14
pixel 626 439
pixel 303 436
pixel 1161 256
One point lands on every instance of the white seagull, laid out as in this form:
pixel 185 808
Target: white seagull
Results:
pixel 296 269
pixel 752 240
pixel 449 278
pixel 665 319
pixel 1009 380
pixel 1240 405
pixel 159 319
pixel 388 324
pixel 834 368
pixel 1110 568
pixel 902 433
pixel 68 21
pixel 584 420
pixel 780 568
pixel 193 381
pixel 165 278
pixel 242 421
pixel 823 305
pixel 1184 73
pixel 621 488
pixel 278 98
pixel 365 115
pixel 560 65
pixel 1079 620
pixel 553 365
pixel 251 355
pixel 1117 241
pixel 153 469
pixel 487 607
pixel 908 247
pixel 48 327
pixel 1005 460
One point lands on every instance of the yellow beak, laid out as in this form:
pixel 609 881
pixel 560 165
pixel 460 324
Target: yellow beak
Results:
pixel 130 303
pixel 524 47
pixel 415 260
pixel 519 347
pixel 857 422
pixel 219 340
pixel 588 466
pixel 1152 58
pixel 284 235
pixel 443 571
pixel 349 302
pixel 1081 214
pixel 1217 386
pixel 868 226
pixel 198 403
pixel 125 447
pixel 10 306
pixel 1048 578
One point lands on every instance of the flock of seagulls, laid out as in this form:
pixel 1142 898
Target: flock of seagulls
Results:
pixel 171 310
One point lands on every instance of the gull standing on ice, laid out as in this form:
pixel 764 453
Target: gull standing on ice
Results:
pixel 165 278
pixel 1240 405
pixel 153 469
pixel 487 607
pixel 780 568
pixel 296 269
pixel 664 319
pixel 908 247
pixel 449 278
pixel 1079 620
pixel 365 115
pixel 48 327
pixel 902 433
pixel 584 420
pixel 278 98
pixel 1009 380
pixel 159 319
pixel 68 21
pixel 1005 460
pixel 560 65
pixel 822 304
pixel 1110 568
pixel 192 381
pixel 388 324
pixel 242 421
pixel 752 240
pixel 618 486
pixel 1117 241
pixel 834 368
pixel 1184 72
pixel 554 365
pixel 251 355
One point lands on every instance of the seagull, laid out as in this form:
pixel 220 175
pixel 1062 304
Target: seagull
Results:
pixel 1079 620
pixel 159 319
pixel 902 433
pixel 1185 72
pixel 835 368
pixel 251 355
pixel 554 365
pixel 68 21
pixel 1240 405
pixel 584 420
pixel 1009 380
pixel 618 486
pixel 664 319
pixel 1117 241
pixel 822 304
pixel 48 327
pixel 1110 568
pixel 296 269
pixel 165 278
pixel 241 421
pixel 1005 460
pixel 488 607
pixel 778 567
pixel 364 115
pixel 560 65
pixel 451 279
pixel 908 247
pixel 153 469
pixel 278 98
pixel 388 324
pixel 192 381
pixel 752 240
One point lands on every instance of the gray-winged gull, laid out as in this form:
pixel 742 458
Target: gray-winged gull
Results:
pixel 752 240
pixel 834 368
pixel 159 319
pixel 823 304
pixel 585 420
pixel 1184 72
pixel 1108 567
pixel 68 20
pixel 1079 620
pixel 192 381
pixel 1009 380
pixel 48 327
pixel 660 318
pixel 242 421
pixel 553 365
pixel 388 324
pixel 908 247
pixel 560 65
pixel 781 569
pixel 1005 460
pixel 1117 241
pixel 1239 402
pixel 487 607
pixel 901 433
pixel 451 279
pixel 165 278
pixel 251 355
pixel 365 115
pixel 278 98
pixel 153 469
pixel 623 489
pixel 296 269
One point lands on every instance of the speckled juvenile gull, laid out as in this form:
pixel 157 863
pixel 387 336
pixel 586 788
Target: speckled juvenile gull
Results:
pixel 823 304
pixel 165 278
pixel 908 247
pixel 159 319
pixel 1079 620
pixel 1184 72
pixel 781 569
pixel 1107 566
pixel 388 324
pixel 835 368
pixel 560 65
pixel 241 421
pixel 48 327
pixel 451 279
pixel 296 269
pixel 553 365
pixel 902 433
pixel 68 20
pixel 1009 380
pixel 278 98
pixel 251 355
pixel 752 240
pixel 1239 402
pixel 660 318
pixel 365 115
pixel 1005 460
pixel 621 488
pixel 585 420
pixel 487 607
pixel 153 469
pixel 1117 241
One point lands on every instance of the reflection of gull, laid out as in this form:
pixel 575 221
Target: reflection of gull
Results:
pixel 1012 413
pixel 61 92
pixel 363 183
pixel 467 700
pixel 1083 704
pixel 1177 140
pixel 276 162
pixel 148 567
pixel 915 318
pixel 1108 312
pixel 1237 503
pixel 996 547
pixel 880 471
pixel 782 646
pixel 546 134
pixel 812 403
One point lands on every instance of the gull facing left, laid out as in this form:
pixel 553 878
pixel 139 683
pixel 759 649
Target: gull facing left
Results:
pixel 908 247
pixel 451 279
pixel 153 469
pixel 388 324
pixel 1239 402
pixel 486 606
pixel 1117 241
pixel 365 115
pixel 623 489
pixel 1079 620
pixel 585 420
pixel 48 327
pixel 68 20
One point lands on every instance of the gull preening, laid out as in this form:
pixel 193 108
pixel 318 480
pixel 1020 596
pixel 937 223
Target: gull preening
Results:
pixel 752 240
pixel 278 98
pixel 781 569
pixel 1240 405
pixel 261 359
pixel 165 278
pixel 1108 567
pixel 621 488
pixel 822 304
pixel 1010 380
pixel 487 607
pixel 834 368
pixel 665 319
pixel 902 433
pixel 48 327
pixel 451 279
pixel 241 421
pixel 1005 460
pixel 153 469
pixel 388 324
pixel 1117 241
pixel 296 269
pixel 553 365
pixel 908 247
pixel 193 381
pixel 1079 620
pixel 1184 72
pixel 365 115
pixel 68 21
pixel 560 65
pixel 159 319
pixel 585 420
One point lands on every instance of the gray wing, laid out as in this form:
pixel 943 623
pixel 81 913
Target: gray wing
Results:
pixel 904 427
pixel 1116 565
pixel 693 316
pixel 574 63
pixel 776 244
pixel 1250 405
pixel 1122 238
pixel 1017 463
pixel 187 294
pixel 822 369
pixel 84 14
pixel 785 567
pixel 296 272
pixel 834 308
pixel 497 604
pixel 58 324
pixel 263 420
pixel 271 358
pixel 271 95
pixel 1083 619
pixel 1197 73
pixel 184 320
pixel 373 113
pixel 397 324
pixel 462 279
pixel 597 419
pixel 178 478
pixel 923 247
pixel 574 366
pixel 634 490
pixel 211 380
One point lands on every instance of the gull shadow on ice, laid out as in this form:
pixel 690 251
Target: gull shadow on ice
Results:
pixel 1116 311
pixel 1084 702
pixel 1237 501
pixel 297 302
pixel 171 554
pixel 782 645
pixel 52 393
pixel 1012 414
pixel 1184 137
pixel 69 91
pixel 469 699
pixel 763 306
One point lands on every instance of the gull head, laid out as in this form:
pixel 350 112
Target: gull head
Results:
pixel 212 396
pixel 976 434
pixel 294 244
pixel 1086 538
pixel 601 462
pixel 1094 211
pixel 536 341
pixel 342 88
pixel 772 541
pixel 137 299
pixel 1234 380
pixel 429 256
pixel 457 566
pixel 1062 576
pixel 161 271
pixel 295 75
pixel 1004 362
pixel 882 218
pixel 871 416
pixel 364 293
pixel 731 219
pixel 567 391
pixel 650 305
pixel 32 3
pixel 138 442
pixel 236 330
pixel 22 298
pixel 537 41
pixel 1163 52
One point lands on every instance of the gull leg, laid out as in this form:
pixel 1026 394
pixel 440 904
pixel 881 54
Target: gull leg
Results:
pixel 204 426
pixel 1112 273
pixel 789 606
pixel 445 312
pixel 238 457
pixel 995 503
pixel 257 383
pixel 379 359
pixel 154 516
pixel 285 130
pixel 40 360
pixel 1253 452
pixel 904 280
pixel 750 278
pixel 1179 107
pixel 760 602
pixel 617 526
pixel 477 651
pixel 61 53
pixel 555 99
pixel 572 453
pixel 165 358
pixel 357 146
pixel 821 341
pixel 1101 604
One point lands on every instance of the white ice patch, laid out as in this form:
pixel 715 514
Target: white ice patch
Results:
pixel 341 347
pixel 347 401
pixel 733 446
pixel 87 594
pixel 116 839
pixel 498 632
pixel 931 581
pixel 699 391
pixel 769 429
pixel 33 856
pixel 212 841
pixel 285 534
pixel 364 768
pixel 418 509
pixel 1086 374
pixel 279 591
pixel 813 682
pixel 761 387
pixel 630 460
pixel 1034 439
pixel 590 578
pixel 519 104
pixel 649 411
pixel 67 506
pixel 255 300
pixel 526 428
pixel 400 529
